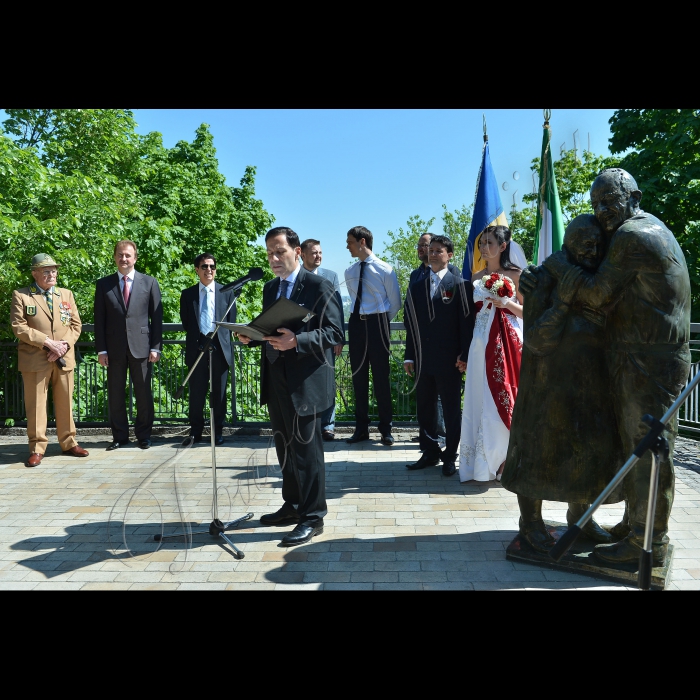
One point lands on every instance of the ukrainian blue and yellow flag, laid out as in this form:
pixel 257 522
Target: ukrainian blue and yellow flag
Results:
pixel 488 211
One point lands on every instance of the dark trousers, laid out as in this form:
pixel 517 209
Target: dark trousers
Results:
pixel 198 387
pixel 369 347
pixel 299 447
pixel 140 370
pixel 447 387
pixel 647 383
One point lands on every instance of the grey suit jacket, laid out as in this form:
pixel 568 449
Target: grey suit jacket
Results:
pixel 138 328
pixel 332 277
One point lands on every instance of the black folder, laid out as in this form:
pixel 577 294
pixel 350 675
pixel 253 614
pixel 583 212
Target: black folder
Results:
pixel 282 313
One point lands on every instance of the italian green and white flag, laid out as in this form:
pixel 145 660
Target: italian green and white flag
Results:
pixel 550 227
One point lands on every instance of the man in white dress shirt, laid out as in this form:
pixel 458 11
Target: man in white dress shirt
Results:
pixel 311 256
pixel 200 307
pixel 375 298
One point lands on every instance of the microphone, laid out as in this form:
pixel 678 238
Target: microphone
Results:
pixel 254 274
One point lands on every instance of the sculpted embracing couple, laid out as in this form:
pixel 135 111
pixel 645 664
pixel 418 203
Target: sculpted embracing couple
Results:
pixel 606 341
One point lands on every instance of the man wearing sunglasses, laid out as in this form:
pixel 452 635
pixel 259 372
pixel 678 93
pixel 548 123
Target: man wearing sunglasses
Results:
pixel 200 307
pixel 45 320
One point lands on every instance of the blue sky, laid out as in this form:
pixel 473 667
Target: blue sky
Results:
pixel 323 171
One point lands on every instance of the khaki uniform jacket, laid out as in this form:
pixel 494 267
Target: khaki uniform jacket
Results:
pixel 32 322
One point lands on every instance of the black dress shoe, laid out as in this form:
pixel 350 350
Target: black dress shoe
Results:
pixel 302 533
pixel 357 437
pixel 426 460
pixel 284 516
pixel 144 444
pixel 415 438
pixel 219 440
pixel 448 469
pixel 387 440
pixel 191 438
pixel 116 445
pixel 328 435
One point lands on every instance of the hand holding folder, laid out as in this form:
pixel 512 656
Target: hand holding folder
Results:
pixel 281 314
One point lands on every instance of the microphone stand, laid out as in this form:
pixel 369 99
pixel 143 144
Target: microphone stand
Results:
pixel 659 447
pixel 217 528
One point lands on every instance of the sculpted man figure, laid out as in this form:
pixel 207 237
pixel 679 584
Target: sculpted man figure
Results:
pixel 644 280
pixel 564 442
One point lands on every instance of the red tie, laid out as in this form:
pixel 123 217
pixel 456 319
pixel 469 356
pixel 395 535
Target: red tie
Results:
pixel 126 291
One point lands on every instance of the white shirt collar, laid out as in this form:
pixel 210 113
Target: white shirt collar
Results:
pixel 206 287
pixel 440 274
pixel 292 278
pixel 130 275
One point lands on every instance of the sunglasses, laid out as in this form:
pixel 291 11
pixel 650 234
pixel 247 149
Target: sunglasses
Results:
pixel 207 267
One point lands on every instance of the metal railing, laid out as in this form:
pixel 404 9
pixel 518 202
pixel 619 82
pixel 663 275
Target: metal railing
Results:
pixel 90 393
pixel 243 393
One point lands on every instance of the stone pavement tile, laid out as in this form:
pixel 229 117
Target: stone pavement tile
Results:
pixel 205 586
pixel 58 586
pixel 693 585
pixel 248 586
pixel 139 576
pixel 299 587
pixel 374 577
pixel 695 573
pixel 106 586
pixel 327 577
pixel 281 576
pixel 240 576
pixel 154 587
pixel 330 586
pixel 448 586
pixel 401 586
pixel 422 576
pixel 18 585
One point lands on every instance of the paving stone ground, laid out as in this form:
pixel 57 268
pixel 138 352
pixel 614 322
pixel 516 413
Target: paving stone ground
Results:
pixel 89 523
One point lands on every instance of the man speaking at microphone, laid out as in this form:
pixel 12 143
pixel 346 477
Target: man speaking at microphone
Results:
pixel 201 306
pixel 297 381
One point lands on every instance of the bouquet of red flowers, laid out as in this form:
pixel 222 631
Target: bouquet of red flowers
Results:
pixel 498 285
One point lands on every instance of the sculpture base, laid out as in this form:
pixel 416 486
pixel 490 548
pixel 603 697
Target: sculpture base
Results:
pixel 580 560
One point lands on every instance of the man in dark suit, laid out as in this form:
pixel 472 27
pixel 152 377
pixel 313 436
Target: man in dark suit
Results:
pixel 311 256
pixel 298 384
pixel 439 317
pixel 418 275
pixel 128 335
pixel 200 307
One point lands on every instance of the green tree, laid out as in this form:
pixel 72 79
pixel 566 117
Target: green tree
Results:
pixel 73 182
pixel 661 150
pixel 574 176
pixel 401 251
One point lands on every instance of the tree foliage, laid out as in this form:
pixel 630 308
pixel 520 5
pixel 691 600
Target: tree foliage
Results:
pixel 661 150
pixel 73 182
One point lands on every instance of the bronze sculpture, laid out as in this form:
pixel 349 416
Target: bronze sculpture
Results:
pixel 643 288
pixel 564 443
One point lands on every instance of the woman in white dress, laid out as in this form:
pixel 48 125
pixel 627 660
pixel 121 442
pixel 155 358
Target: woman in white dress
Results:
pixel 493 367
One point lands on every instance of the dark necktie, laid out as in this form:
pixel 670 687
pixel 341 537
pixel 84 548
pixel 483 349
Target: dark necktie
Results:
pixel 271 353
pixel 358 299
pixel 49 299
pixel 126 292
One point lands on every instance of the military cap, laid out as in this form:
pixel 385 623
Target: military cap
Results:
pixel 43 260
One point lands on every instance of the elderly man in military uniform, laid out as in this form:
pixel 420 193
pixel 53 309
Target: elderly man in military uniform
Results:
pixel 45 320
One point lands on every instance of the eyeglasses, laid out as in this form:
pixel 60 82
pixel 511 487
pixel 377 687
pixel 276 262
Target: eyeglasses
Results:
pixel 48 273
pixel 204 266
pixel 423 245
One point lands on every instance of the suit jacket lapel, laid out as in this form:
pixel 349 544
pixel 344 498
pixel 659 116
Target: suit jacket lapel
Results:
pixel 114 284
pixel 298 285
pixel 40 301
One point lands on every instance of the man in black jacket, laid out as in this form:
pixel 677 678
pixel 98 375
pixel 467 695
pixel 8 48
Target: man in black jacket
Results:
pixel 201 306
pixel 439 317
pixel 128 335
pixel 298 384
